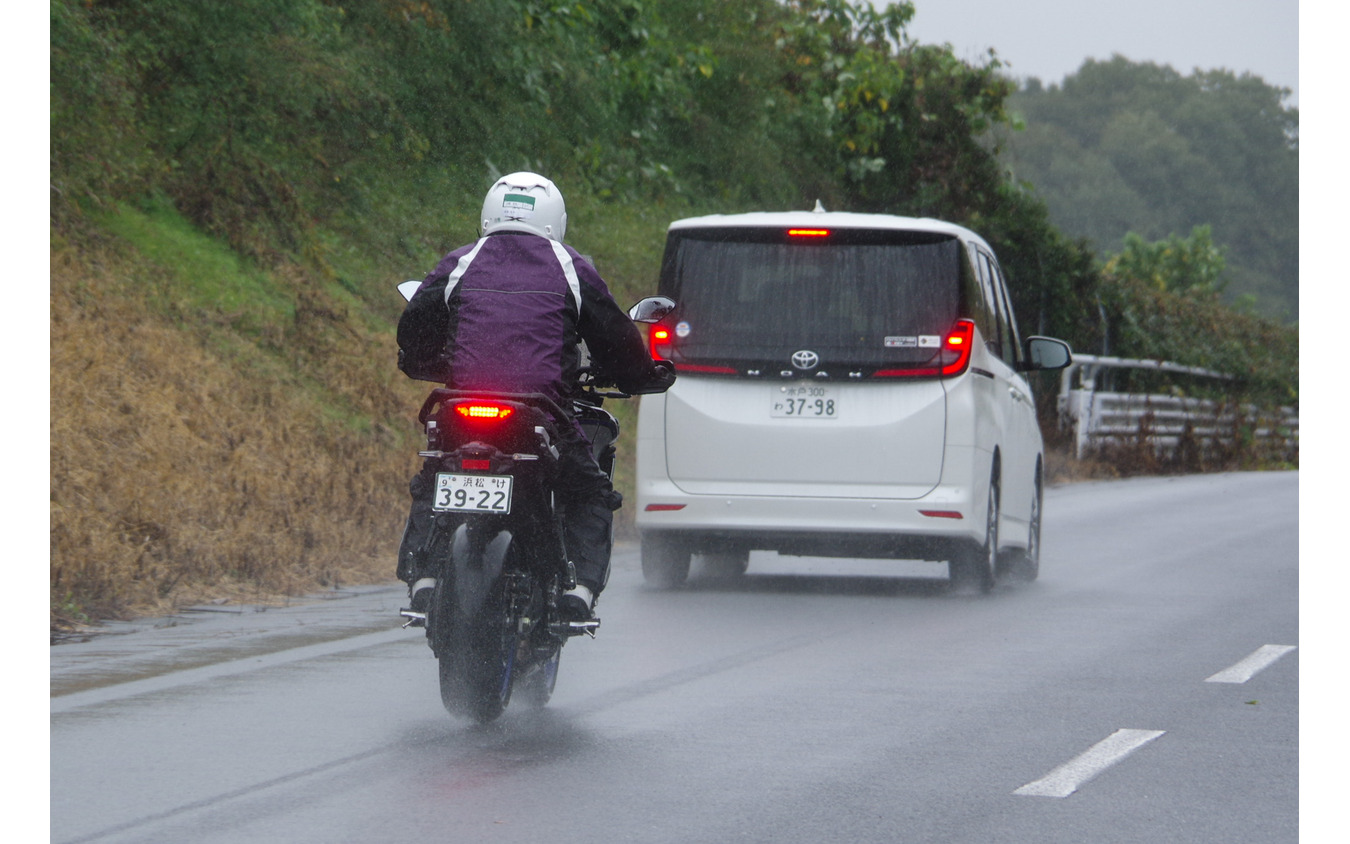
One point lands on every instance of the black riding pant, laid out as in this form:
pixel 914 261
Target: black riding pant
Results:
pixel 583 492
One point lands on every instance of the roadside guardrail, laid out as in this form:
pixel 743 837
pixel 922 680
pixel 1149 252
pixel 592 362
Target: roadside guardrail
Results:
pixel 1101 417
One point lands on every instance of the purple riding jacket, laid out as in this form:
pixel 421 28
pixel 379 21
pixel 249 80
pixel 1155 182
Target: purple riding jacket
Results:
pixel 505 313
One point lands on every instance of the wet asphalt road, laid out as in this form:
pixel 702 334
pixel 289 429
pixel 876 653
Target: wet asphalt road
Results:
pixel 812 700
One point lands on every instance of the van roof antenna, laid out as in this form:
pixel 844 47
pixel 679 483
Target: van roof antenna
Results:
pixel 819 209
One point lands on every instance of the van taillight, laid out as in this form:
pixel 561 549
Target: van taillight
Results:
pixel 659 342
pixel 952 358
pixel 957 346
pixel 705 368
pixel 659 338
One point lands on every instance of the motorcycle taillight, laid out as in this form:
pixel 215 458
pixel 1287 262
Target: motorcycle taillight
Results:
pixel 481 411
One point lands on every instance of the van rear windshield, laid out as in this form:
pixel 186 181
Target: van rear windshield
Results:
pixel 863 299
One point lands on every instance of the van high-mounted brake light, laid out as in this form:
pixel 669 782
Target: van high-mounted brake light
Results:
pixel 808 232
pixel 952 358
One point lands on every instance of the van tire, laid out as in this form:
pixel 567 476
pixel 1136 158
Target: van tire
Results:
pixel 726 563
pixel 665 561
pixel 1024 564
pixel 977 565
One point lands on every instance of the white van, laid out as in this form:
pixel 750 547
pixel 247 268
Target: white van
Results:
pixel 850 385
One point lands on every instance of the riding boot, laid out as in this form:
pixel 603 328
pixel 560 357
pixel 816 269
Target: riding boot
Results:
pixel 416 531
pixel 588 530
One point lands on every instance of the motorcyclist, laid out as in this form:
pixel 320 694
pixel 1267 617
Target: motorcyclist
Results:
pixel 505 313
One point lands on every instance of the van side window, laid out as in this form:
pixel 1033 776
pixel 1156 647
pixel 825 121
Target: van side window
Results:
pixel 994 334
pixel 975 300
pixel 1012 344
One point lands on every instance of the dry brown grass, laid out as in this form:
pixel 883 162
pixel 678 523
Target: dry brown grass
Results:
pixel 1061 467
pixel 179 474
pixel 1139 457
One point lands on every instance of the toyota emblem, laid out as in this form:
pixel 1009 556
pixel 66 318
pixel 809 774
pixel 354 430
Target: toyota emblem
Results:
pixel 805 359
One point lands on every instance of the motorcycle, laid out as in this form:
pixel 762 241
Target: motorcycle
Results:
pixel 496 539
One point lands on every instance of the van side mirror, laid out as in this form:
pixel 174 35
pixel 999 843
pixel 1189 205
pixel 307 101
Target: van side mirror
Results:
pixel 1046 353
pixel 652 309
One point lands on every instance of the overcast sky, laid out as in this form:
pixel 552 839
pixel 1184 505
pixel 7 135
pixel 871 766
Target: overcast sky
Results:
pixel 1049 39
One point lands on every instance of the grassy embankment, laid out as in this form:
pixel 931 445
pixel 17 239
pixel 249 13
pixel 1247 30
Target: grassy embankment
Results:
pixel 220 430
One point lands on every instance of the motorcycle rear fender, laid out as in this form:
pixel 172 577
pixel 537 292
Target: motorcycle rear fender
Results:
pixel 476 561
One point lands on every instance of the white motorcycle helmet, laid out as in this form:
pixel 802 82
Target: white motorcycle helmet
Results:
pixel 525 202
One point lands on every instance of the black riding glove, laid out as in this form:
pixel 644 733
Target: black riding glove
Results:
pixel 658 379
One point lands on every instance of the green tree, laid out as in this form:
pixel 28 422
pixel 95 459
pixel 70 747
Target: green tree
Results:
pixel 1191 265
pixel 97 136
pixel 1137 147
pixel 902 125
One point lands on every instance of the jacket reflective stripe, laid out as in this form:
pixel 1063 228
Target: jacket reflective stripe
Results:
pixel 461 268
pixel 568 270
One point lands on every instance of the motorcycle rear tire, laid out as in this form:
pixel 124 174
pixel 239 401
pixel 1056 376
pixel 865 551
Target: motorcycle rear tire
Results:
pixel 477 657
pixel 535 688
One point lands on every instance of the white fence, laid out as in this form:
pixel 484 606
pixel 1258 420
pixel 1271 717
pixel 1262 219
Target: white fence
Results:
pixel 1100 417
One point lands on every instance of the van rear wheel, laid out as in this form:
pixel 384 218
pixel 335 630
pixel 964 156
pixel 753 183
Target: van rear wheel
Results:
pixel 726 563
pixel 665 560
pixel 1024 566
pixel 977 565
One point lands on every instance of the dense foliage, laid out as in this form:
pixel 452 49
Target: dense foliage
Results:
pixel 1192 265
pixel 236 186
pixel 1123 147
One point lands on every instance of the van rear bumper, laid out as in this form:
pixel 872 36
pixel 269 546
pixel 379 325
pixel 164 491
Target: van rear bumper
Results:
pixel 825 527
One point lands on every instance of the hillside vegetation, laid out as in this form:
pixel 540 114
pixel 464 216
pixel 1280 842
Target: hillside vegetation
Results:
pixel 1123 148
pixel 237 187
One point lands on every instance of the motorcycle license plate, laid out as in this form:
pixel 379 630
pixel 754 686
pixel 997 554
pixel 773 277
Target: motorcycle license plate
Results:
pixel 472 493
pixel 803 401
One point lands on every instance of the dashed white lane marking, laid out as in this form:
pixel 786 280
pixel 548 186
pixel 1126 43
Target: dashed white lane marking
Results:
pixel 1065 780
pixel 1261 658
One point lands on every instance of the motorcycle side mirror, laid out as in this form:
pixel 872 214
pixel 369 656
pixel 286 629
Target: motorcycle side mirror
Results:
pixel 652 309
pixel 408 288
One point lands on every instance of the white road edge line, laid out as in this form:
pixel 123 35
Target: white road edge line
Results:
pixel 243 665
pixel 1259 659
pixel 1065 780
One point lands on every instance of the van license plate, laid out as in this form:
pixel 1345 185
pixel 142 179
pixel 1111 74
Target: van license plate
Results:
pixel 803 402
pixel 472 493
